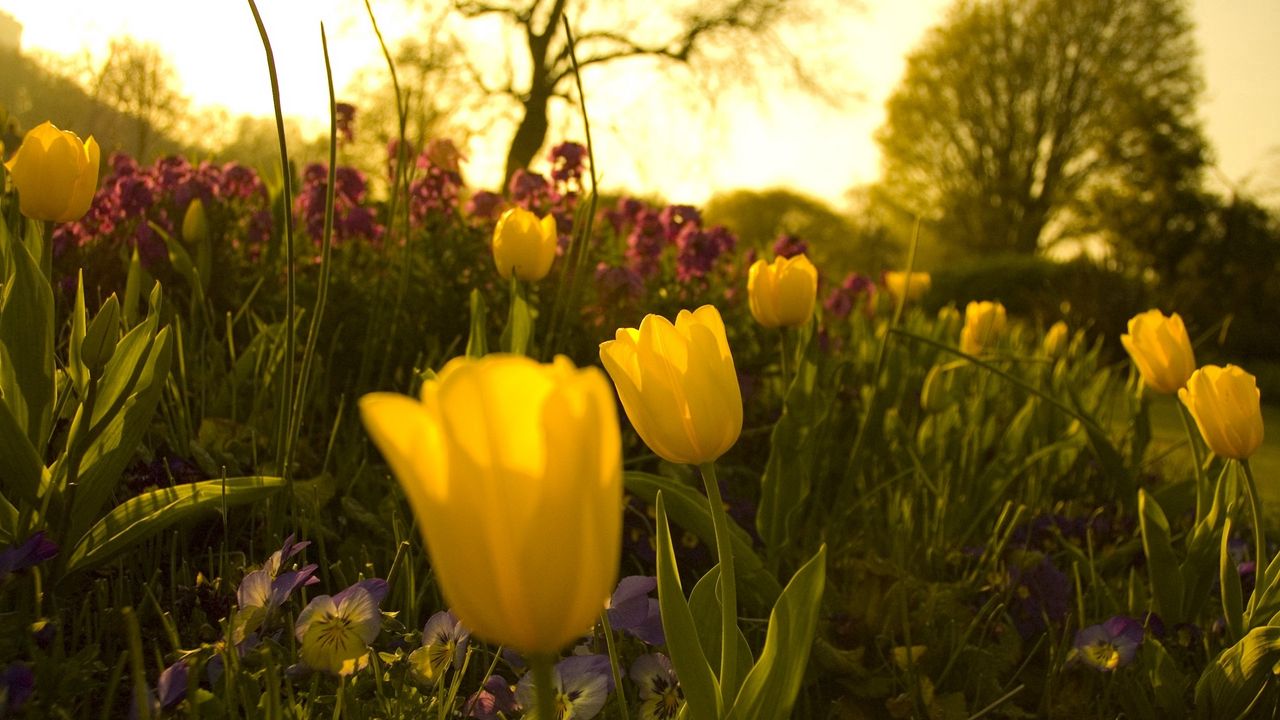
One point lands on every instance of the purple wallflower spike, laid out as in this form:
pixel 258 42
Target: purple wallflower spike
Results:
pixel 444 645
pixel 484 205
pixel 29 553
pixel 789 246
pixel 675 218
pixel 1108 646
pixel 495 697
pixel 660 695
pixel 17 682
pixel 172 685
pixel 346 118
pixel 582 685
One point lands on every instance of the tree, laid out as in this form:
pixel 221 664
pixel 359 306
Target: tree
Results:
pixel 604 34
pixel 138 80
pixel 1012 112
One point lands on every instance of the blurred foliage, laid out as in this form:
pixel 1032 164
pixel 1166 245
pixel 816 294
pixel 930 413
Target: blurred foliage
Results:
pixel 1083 293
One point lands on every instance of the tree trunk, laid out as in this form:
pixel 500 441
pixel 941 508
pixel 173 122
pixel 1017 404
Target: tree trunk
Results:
pixel 530 135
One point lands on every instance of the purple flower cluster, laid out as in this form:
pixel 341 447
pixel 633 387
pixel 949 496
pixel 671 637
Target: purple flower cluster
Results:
pixel 351 219
pixel 131 196
pixel 649 232
pixel 567 164
pixel 345 117
pixel 854 288
pixel 698 250
pixel 434 191
pixel 484 206
pixel 789 246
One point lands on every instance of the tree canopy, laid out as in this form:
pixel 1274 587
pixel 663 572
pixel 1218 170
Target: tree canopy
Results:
pixel 1018 121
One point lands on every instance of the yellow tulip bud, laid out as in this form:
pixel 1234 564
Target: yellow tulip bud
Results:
pixel 1161 349
pixel 983 323
pixel 1227 407
pixel 514 471
pixel 782 294
pixel 525 245
pixel 1055 340
pixel 56 174
pixel 678 385
pixel 195 224
pixel 913 286
pixel 948 321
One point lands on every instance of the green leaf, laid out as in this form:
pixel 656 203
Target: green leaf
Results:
pixel 114 446
pixel 757 588
pixel 145 515
pixel 1162 564
pixel 181 261
pixel 20 479
pixel 772 685
pixel 1233 683
pixel 704 603
pixel 519 331
pixel 1229 581
pixel 477 342
pixel 26 344
pixel 701 691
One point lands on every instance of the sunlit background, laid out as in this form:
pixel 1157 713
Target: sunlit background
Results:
pixel 655 131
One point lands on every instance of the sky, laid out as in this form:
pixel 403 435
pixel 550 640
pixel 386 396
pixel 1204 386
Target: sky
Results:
pixel 646 138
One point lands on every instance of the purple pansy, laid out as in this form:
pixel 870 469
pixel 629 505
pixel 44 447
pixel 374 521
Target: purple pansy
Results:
pixel 1108 646
pixel 29 553
pixel 631 609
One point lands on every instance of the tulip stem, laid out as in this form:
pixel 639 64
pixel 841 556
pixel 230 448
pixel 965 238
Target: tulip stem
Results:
pixel 786 361
pixel 1202 484
pixel 1259 537
pixel 613 663
pixel 728 587
pixel 544 685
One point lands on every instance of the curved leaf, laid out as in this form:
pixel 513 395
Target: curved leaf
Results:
pixel 147 514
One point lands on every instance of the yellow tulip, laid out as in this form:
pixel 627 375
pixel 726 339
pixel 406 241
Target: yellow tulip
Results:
pixel 678 385
pixel 1161 349
pixel 1227 407
pixel 897 285
pixel 782 294
pixel 983 323
pixel 514 471
pixel 56 174
pixel 525 245
pixel 1055 340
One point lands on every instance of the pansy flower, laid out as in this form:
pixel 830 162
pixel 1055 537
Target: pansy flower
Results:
pixel 335 632
pixel 494 698
pixel 1108 646
pixel 29 553
pixel 444 645
pixel 582 685
pixel 660 694
pixel 264 590
pixel 631 609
